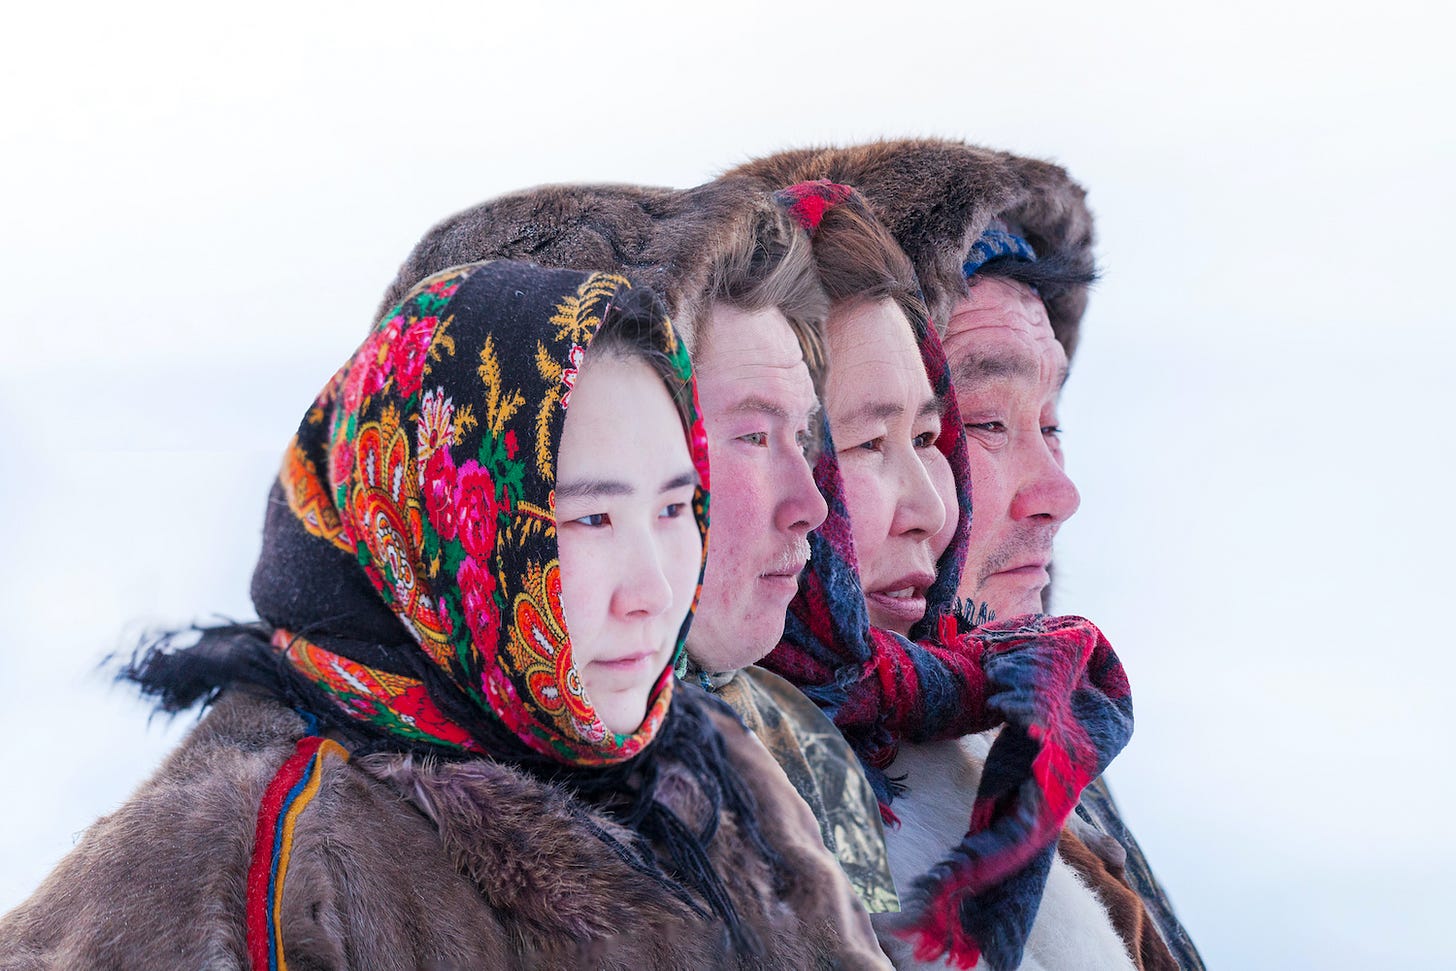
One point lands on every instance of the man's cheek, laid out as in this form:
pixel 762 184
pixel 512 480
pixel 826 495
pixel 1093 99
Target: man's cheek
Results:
pixel 731 525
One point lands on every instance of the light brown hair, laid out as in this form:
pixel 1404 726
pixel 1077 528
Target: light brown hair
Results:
pixel 767 262
pixel 860 262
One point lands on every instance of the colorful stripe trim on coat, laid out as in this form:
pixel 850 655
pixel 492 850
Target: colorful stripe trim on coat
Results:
pixel 285 799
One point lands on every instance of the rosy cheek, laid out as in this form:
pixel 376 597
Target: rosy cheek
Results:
pixel 739 497
pixel 860 498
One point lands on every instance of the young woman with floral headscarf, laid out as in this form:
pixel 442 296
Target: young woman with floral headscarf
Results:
pixel 454 738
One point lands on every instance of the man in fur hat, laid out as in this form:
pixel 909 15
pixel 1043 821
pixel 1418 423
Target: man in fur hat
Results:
pixel 740 281
pixel 1002 246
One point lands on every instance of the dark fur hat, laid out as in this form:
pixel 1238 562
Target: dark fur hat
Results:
pixel 669 239
pixel 587 227
pixel 937 196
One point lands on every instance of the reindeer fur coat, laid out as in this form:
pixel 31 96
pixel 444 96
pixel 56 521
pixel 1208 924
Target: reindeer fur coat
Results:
pixel 401 863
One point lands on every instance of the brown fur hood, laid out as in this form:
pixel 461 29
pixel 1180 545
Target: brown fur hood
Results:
pixel 937 196
pixel 403 863
pixel 668 239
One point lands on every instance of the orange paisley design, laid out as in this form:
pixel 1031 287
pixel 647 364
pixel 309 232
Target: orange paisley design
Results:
pixel 540 652
pixel 308 500
pixel 386 512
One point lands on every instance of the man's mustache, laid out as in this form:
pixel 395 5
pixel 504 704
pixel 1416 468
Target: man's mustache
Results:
pixel 1035 543
pixel 793 558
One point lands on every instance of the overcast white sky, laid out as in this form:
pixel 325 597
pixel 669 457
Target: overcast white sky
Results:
pixel 199 212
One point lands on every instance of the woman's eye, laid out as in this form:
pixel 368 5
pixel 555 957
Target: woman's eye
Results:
pixel 873 445
pixel 926 439
pixel 805 439
pixel 1052 431
pixel 755 438
pixel 595 519
pixel 672 510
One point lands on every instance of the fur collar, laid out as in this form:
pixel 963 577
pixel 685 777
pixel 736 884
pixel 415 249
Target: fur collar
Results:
pixel 486 813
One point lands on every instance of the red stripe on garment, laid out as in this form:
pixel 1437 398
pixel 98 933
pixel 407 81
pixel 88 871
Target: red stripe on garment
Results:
pixel 270 813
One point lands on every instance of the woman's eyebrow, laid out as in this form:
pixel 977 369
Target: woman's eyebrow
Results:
pixel 882 410
pixel 585 488
pixel 598 488
pixel 688 478
pixel 886 410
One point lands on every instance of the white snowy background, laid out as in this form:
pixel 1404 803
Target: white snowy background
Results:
pixel 199 209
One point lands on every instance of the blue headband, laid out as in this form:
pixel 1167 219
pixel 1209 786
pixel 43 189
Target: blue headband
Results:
pixel 994 244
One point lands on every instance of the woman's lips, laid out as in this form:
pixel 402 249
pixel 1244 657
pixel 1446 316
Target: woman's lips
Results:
pixel 628 660
pixel 627 663
pixel 899 611
pixel 900 602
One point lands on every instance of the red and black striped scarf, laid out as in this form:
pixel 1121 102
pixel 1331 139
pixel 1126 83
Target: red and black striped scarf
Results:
pixel 1053 683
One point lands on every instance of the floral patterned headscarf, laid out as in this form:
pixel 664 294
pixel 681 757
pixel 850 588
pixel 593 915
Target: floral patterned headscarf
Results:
pixel 426 469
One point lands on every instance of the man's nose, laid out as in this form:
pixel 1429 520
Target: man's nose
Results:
pixel 800 508
pixel 1046 492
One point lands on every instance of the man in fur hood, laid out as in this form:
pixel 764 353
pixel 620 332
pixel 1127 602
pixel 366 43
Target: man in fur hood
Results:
pixel 1002 246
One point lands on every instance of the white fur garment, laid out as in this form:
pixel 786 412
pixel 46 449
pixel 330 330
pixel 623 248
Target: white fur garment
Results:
pixel 1072 931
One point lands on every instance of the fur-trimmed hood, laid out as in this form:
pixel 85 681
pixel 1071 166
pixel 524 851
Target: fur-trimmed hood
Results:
pixel 937 196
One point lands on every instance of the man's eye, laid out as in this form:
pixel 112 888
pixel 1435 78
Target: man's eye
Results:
pixel 992 427
pixel 755 438
pixel 805 440
pixel 873 445
pixel 926 439
pixel 672 510
pixel 1052 431
pixel 595 519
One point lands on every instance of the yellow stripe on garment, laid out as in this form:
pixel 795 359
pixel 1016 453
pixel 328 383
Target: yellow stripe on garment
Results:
pixel 290 818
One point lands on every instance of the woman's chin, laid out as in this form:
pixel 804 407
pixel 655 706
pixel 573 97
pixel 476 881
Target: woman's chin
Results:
pixel 624 717
pixel 900 619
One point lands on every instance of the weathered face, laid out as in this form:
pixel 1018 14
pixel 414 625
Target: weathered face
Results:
pixel 1008 370
pixel 627 538
pixel 757 401
pixel 885 421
